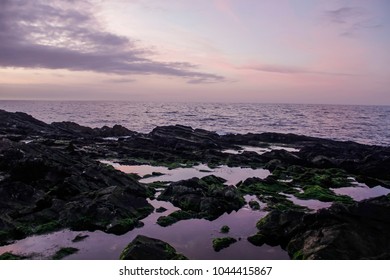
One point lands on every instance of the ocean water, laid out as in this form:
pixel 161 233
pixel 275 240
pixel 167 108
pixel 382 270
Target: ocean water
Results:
pixel 362 124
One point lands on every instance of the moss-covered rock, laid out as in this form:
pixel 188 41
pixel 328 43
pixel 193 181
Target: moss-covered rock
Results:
pixel 174 217
pixel 280 202
pixel 225 229
pixel 258 239
pixel 304 176
pixel 222 242
pixel 64 252
pixel 207 197
pixel 267 186
pixel 158 185
pixel 319 193
pixel 11 256
pixel 254 205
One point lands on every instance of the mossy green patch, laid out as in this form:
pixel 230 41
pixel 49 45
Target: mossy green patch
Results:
pixel 10 256
pixel 280 202
pixel 225 229
pixel 262 222
pixel 165 221
pixel 305 176
pixel 64 252
pixel 298 255
pixel 266 187
pixel 174 217
pixel 222 242
pixel 322 194
pixel 158 185
pixel 128 222
pixel 48 227
pixel 258 239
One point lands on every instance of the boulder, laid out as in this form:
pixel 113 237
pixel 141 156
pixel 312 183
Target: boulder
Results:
pixel 147 248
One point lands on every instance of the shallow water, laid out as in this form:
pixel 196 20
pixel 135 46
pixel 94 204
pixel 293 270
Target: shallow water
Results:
pixel 309 203
pixel 232 175
pixel 193 238
pixel 361 191
pixel 259 150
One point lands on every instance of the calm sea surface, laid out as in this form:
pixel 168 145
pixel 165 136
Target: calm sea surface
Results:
pixel 363 124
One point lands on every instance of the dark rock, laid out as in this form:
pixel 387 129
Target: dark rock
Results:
pixel 64 252
pixel 222 243
pixel 225 229
pixel 80 237
pixel 208 197
pixel 254 205
pixel 174 217
pixel 48 189
pixel 161 209
pixel 146 248
pixel 11 257
pixel 357 231
pixel 258 239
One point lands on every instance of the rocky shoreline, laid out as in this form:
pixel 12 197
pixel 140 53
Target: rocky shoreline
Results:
pixel 51 178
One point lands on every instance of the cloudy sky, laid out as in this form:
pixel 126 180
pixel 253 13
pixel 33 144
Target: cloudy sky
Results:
pixel 289 51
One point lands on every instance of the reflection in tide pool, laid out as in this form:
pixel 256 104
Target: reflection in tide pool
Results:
pixel 193 238
pixel 259 150
pixel 232 175
pixel 361 191
pixel 309 203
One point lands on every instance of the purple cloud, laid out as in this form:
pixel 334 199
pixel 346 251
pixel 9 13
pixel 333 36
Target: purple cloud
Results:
pixel 66 35
pixel 282 69
pixel 344 14
pixel 352 20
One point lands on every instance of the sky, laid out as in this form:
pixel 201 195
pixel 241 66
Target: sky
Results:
pixel 280 51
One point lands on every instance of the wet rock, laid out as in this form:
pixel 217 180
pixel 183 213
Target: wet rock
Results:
pixel 48 189
pixel 80 237
pixel 64 252
pixel 258 239
pixel 11 256
pixel 146 248
pixel 357 231
pixel 174 217
pixel 208 197
pixel 254 205
pixel 222 243
pixel 272 192
pixel 225 229
pixel 161 209
pixel 21 124
pixel 322 194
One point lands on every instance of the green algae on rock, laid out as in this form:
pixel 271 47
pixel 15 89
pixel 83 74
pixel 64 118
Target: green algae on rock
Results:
pixel 222 242
pixel 64 252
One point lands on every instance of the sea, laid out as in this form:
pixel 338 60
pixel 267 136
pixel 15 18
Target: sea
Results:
pixel 359 123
